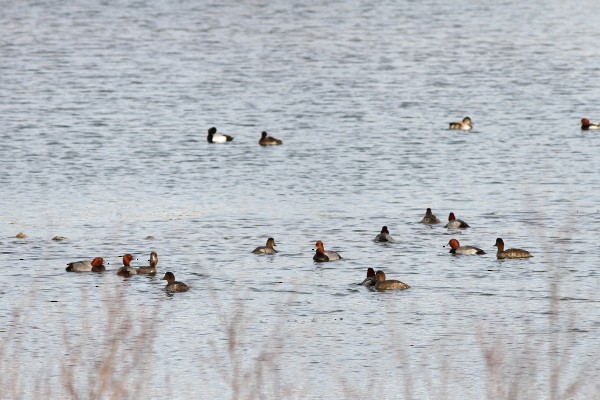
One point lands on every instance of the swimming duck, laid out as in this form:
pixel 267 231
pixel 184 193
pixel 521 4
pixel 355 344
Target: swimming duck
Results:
pixel 127 270
pixel 384 236
pixel 322 255
pixel 268 140
pixel 510 253
pixel 429 218
pixel 173 285
pixel 370 279
pixel 266 249
pixel 465 125
pixel 384 284
pixel 95 265
pixel 456 248
pixel 151 269
pixel 454 223
pixel 587 126
pixel 214 137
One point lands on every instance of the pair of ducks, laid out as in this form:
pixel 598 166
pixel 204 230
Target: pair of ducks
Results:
pixel 467 125
pixel 453 222
pixel 378 281
pixel 321 255
pixel 97 265
pixel 265 140
pixel 456 248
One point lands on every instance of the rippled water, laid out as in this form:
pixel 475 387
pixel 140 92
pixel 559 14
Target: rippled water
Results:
pixel 104 112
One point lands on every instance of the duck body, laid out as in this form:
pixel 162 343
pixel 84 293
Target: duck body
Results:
pixel 456 248
pixel 151 269
pixel 454 223
pixel 388 284
pixel 174 286
pixel 127 270
pixel 266 249
pixel 586 125
pixel 384 236
pixel 510 253
pixel 322 255
pixel 95 265
pixel 214 137
pixel 268 140
pixel 429 218
pixel 464 125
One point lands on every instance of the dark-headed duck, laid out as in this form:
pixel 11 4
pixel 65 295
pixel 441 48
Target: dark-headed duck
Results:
pixel 465 125
pixel 384 235
pixel 214 137
pixel 268 140
pixel 127 270
pixel 586 125
pixel 384 284
pixel 510 253
pixel 429 218
pixel 454 223
pixel 173 285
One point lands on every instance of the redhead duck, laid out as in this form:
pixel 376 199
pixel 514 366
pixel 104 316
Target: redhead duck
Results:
pixel 384 236
pixel 454 223
pixel 214 137
pixel 384 284
pixel 429 218
pixel 510 253
pixel 268 140
pixel 323 255
pixel 266 249
pixel 126 270
pixel 95 265
pixel 465 125
pixel 456 248
pixel 173 285
pixel 370 279
pixel 587 126
pixel 151 269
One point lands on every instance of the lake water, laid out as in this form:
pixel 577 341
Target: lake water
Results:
pixel 104 110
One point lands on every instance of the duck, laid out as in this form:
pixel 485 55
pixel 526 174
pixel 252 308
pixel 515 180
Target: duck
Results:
pixel 384 284
pixel 370 279
pixel 214 137
pixel 127 270
pixel 95 265
pixel 322 255
pixel 465 125
pixel 173 285
pixel 384 236
pixel 266 249
pixel 268 140
pixel 456 248
pixel 587 126
pixel 454 223
pixel 510 253
pixel 429 218
pixel 151 269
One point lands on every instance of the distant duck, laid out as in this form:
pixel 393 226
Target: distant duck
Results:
pixel 268 140
pixel 322 255
pixel 456 248
pixel 214 137
pixel 173 285
pixel 384 236
pixel 429 218
pixel 127 270
pixel 465 125
pixel 587 126
pixel 510 253
pixel 266 249
pixel 384 284
pixel 151 269
pixel 95 265
pixel 370 279
pixel 454 223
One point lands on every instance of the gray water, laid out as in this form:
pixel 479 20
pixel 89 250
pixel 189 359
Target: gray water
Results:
pixel 104 110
